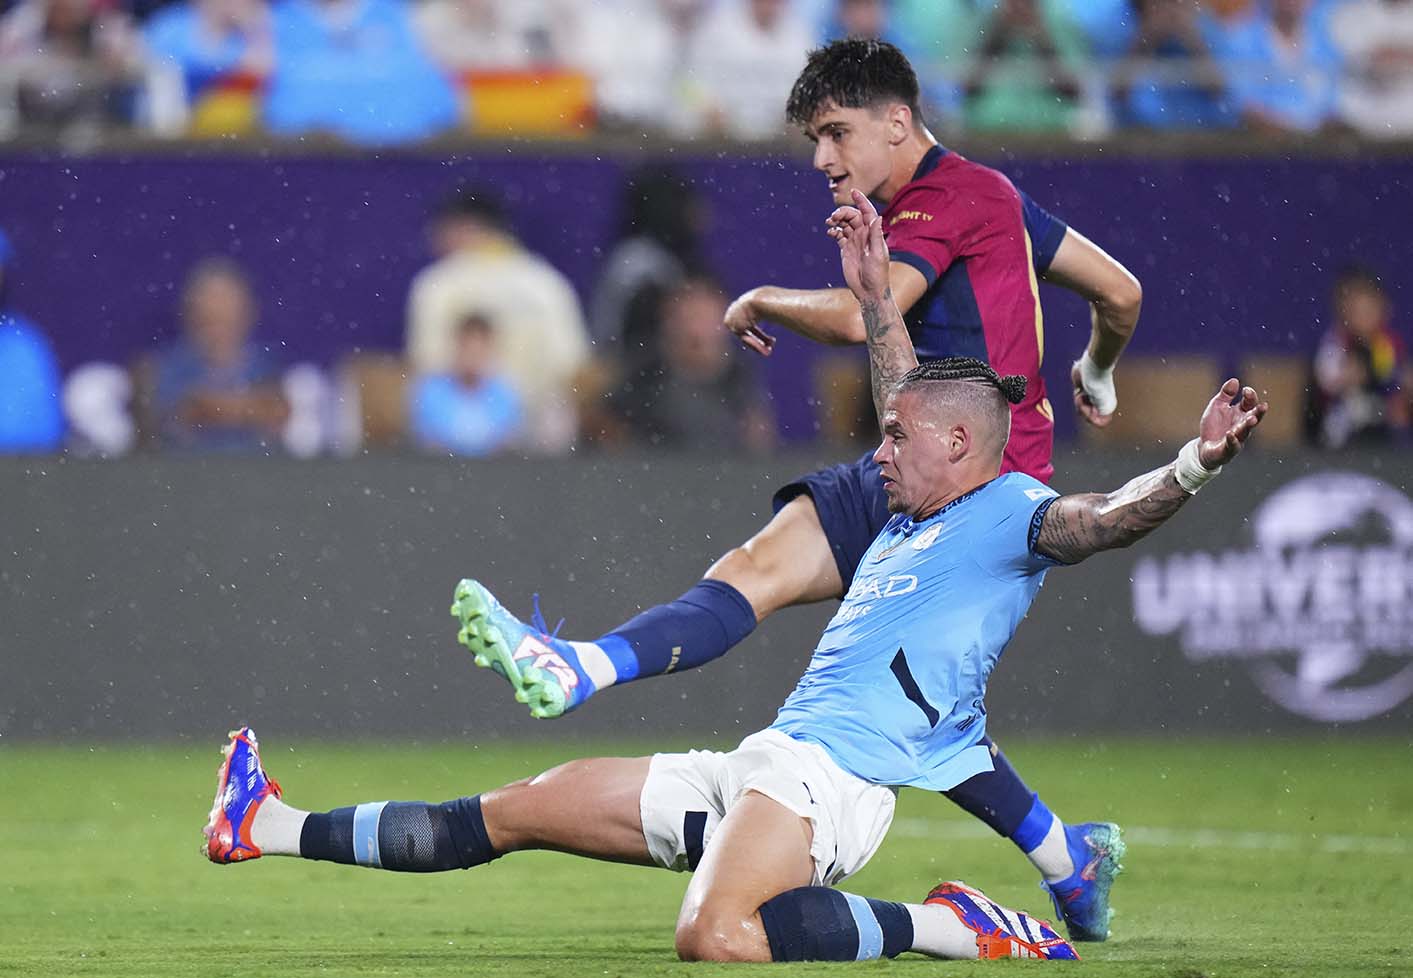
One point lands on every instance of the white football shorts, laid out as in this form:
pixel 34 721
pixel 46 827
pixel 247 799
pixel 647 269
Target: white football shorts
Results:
pixel 687 795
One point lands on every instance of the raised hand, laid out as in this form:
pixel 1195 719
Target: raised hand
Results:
pixel 1088 403
pixel 1081 524
pixel 1229 419
pixel 862 250
pixel 741 320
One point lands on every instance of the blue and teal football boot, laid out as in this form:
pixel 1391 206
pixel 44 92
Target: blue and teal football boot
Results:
pixel 545 671
pixel 1082 899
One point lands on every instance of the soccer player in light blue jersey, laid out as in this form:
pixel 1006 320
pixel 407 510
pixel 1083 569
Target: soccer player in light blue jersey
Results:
pixel 968 250
pixel 893 697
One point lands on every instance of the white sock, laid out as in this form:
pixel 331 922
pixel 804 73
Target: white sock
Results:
pixel 596 664
pixel 276 828
pixel 1052 856
pixel 939 933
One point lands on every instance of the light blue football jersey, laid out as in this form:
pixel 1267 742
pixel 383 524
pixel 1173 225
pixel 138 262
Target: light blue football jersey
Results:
pixel 895 691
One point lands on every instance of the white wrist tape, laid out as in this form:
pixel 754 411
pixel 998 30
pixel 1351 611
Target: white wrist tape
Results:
pixel 1189 471
pixel 1098 383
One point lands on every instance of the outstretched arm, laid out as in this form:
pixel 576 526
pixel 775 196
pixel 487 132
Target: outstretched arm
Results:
pixel 1114 298
pixel 864 255
pixel 825 315
pixel 1083 524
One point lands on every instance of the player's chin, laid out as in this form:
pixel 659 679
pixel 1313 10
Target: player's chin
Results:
pixel 895 498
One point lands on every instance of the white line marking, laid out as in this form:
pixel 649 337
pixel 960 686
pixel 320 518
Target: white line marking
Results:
pixel 1166 838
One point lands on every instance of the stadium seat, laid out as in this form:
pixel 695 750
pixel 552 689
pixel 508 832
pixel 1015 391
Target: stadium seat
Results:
pixel 1284 381
pixel 373 390
pixel 1160 399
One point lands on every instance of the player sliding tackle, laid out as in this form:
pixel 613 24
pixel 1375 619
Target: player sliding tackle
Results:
pixel 967 252
pixel 892 696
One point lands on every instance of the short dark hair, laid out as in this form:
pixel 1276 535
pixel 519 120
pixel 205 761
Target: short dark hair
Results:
pixel 477 204
pixel 853 74
pixel 1012 386
pixel 661 203
pixel 1355 274
pixel 475 324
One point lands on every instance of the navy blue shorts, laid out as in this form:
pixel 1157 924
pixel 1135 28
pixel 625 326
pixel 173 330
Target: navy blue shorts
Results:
pixel 852 507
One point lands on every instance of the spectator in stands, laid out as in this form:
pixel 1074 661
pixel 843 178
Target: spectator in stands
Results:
pixel 482 268
pixel 31 419
pixel 209 41
pixel 642 85
pixel 704 396
pixel 1280 65
pixel 1108 26
pixel 1026 75
pixel 743 60
pixel 661 241
pixel 472 409
pixel 1361 369
pixel 858 18
pixel 1375 39
pixel 1171 80
pixel 216 389
pixel 355 69
pixel 488 35
pixel 71 66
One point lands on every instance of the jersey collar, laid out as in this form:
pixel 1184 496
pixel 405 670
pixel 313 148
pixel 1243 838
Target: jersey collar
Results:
pixel 906 524
pixel 929 161
pixel 926 165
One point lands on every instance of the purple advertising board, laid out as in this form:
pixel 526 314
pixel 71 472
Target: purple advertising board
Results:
pixel 1236 256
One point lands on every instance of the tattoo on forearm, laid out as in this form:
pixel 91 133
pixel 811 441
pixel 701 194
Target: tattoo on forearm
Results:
pixel 1080 525
pixel 890 349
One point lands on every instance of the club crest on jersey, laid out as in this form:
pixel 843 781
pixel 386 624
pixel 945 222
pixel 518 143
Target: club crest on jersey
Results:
pixel 536 653
pixel 928 538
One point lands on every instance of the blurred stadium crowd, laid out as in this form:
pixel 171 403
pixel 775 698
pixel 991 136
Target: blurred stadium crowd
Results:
pixel 500 355
pixel 383 72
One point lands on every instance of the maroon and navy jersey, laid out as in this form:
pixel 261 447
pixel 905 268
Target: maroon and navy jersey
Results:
pixel 980 243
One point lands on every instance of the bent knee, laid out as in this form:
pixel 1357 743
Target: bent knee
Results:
pixel 721 937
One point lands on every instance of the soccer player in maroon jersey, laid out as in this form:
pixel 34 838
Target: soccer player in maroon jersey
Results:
pixel 967 250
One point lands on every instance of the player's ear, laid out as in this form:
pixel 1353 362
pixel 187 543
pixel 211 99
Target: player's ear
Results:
pixel 900 123
pixel 958 443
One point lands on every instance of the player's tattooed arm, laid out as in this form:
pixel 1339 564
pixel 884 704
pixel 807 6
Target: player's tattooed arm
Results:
pixel 890 349
pixel 1086 523
pixel 864 256
pixel 1077 526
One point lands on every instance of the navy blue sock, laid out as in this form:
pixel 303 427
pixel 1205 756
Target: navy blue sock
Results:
pixel 683 634
pixel 999 798
pixel 815 923
pixel 407 836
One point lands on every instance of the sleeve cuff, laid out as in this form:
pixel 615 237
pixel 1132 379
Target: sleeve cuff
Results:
pixel 929 272
pixel 1033 538
pixel 1045 250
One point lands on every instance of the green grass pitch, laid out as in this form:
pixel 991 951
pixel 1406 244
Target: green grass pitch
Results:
pixel 1246 858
